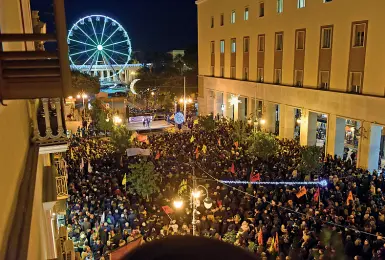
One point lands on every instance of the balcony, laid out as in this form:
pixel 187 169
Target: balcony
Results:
pixel 31 74
pixel 49 125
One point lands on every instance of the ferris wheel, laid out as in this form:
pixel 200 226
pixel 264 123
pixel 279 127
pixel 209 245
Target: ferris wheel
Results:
pixel 98 42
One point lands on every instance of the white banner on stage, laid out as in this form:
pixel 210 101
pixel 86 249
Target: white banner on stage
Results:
pixel 138 151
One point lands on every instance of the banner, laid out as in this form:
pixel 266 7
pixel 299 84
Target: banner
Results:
pixel 138 151
pixel 139 119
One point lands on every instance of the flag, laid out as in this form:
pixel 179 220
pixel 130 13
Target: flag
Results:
pixel 219 141
pixel 196 121
pixel 167 210
pixel 255 177
pixel 89 167
pixel 236 144
pixel 301 192
pixel 142 138
pixel 82 165
pixel 232 169
pixel 192 139
pixel 182 187
pixel 276 242
pixel 260 237
pixel 157 156
pixel 350 197
pixel 124 181
pixel 204 149
pixel 103 218
pixel 316 194
pixel 196 153
pixel 271 249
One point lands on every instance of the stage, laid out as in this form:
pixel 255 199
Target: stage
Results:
pixel 154 125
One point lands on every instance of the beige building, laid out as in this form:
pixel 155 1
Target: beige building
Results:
pixel 33 82
pixel 290 63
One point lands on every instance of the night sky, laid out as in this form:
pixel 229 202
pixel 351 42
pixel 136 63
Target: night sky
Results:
pixel 153 25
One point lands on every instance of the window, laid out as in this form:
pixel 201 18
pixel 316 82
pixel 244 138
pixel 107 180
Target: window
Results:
pixel 222 46
pixel 261 9
pixel 232 72
pixel 277 76
pixel 301 4
pixel 326 40
pixel 212 21
pixel 233 45
pixel 222 19
pixel 300 40
pixel 260 75
pixel 261 42
pixel 324 80
pixel 279 6
pixel 355 85
pixel 359 35
pixel 246 14
pixel 212 47
pixel 246 43
pixel 245 73
pixel 212 71
pixel 298 78
pixel 232 19
pixel 222 72
pixel 279 42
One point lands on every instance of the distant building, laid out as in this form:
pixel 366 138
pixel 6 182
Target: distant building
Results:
pixel 174 53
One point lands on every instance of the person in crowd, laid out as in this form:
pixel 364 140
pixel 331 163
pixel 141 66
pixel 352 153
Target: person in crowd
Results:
pixel 273 221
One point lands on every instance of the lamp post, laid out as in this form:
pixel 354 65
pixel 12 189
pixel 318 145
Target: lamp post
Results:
pixel 195 194
pixel 83 96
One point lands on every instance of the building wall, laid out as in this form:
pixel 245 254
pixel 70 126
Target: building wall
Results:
pixel 14 143
pixel 339 13
pixel 15 125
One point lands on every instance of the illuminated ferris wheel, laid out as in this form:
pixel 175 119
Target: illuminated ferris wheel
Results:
pixel 98 42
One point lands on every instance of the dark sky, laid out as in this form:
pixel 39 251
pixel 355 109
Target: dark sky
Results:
pixel 153 25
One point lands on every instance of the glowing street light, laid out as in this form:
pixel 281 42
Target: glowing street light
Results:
pixel 152 93
pixel 263 121
pixel 196 194
pixel 234 100
pixel 299 120
pixel 117 120
pixel 178 203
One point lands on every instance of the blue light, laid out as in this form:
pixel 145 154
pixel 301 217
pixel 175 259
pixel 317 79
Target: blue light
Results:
pixel 322 183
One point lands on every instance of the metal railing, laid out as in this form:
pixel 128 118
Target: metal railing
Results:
pixel 61 187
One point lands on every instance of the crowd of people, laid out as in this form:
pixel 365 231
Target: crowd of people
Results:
pixel 344 220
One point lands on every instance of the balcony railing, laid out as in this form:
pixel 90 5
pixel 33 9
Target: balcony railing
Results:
pixel 61 187
pixel 36 73
pixel 48 121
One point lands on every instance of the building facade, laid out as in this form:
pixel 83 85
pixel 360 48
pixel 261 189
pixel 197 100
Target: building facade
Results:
pixel 290 63
pixel 33 83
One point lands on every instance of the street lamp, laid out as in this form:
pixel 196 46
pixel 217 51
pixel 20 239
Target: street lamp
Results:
pixel 117 120
pixel 194 196
pixel 83 96
pixel 263 121
pixel 178 203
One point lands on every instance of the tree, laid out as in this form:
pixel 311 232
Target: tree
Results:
pixel 207 122
pixel 143 180
pixel 262 145
pixel 103 123
pixel 240 131
pixel 83 82
pixel 230 237
pixel 310 159
pixel 121 139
